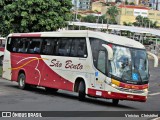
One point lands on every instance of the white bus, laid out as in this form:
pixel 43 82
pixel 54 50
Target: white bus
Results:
pixel 90 63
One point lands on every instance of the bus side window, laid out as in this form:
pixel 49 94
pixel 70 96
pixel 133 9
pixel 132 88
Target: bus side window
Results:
pixel 74 47
pixel 82 49
pixel 49 46
pixel 78 48
pixel 14 44
pixel 20 49
pixel 34 46
pixel 64 46
pixel 101 63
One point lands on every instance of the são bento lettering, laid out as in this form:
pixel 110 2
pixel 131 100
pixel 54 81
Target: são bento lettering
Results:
pixel 68 64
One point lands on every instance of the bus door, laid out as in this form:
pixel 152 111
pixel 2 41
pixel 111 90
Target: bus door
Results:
pixel 98 78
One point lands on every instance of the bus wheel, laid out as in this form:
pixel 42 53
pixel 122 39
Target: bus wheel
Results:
pixel 51 90
pixel 21 81
pixel 115 101
pixel 81 91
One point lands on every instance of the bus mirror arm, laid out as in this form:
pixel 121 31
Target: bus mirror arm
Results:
pixel 109 50
pixel 155 58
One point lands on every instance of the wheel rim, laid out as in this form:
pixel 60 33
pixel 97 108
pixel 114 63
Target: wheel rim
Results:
pixel 21 82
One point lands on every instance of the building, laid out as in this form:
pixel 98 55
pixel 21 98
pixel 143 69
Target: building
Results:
pixel 81 4
pixel 129 13
pixel 75 4
pixel 155 4
pixel 97 6
pixel 143 3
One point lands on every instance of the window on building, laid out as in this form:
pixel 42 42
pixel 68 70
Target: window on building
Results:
pixel 151 13
pixel 158 14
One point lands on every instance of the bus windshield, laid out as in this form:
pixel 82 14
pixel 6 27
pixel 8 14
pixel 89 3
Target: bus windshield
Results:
pixel 131 65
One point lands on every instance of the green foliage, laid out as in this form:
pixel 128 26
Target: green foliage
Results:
pixel 127 24
pixel 111 14
pixel 94 19
pixel 33 15
pixel 89 18
pixel 126 2
pixel 131 3
pixel 145 22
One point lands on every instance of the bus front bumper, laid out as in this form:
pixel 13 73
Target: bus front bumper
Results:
pixel 115 95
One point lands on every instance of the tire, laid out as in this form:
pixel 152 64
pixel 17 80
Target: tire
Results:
pixel 115 101
pixel 22 81
pixel 81 91
pixel 51 90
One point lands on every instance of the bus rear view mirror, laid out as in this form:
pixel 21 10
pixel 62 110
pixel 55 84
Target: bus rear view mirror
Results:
pixel 109 50
pixel 155 58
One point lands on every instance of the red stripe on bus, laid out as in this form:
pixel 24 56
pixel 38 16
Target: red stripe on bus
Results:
pixel 26 35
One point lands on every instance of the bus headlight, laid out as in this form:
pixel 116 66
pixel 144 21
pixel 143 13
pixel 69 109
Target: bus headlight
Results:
pixel 113 85
pixel 145 90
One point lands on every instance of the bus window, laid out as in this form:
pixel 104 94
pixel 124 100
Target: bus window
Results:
pixel 78 48
pixel 34 46
pixel 96 46
pixel 74 49
pixel 49 46
pixel 13 44
pixel 101 64
pixel 64 46
pixel 82 50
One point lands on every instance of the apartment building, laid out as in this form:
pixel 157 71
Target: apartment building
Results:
pixel 81 4
pixel 155 4
pixel 129 13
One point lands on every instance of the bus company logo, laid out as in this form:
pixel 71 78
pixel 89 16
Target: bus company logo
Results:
pixel 6 114
pixel 68 64
pixel 21 114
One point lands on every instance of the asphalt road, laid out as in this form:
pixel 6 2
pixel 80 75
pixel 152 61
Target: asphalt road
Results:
pixel 37 99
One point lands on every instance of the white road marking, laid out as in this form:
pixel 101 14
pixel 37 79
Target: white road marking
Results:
pixel 158 93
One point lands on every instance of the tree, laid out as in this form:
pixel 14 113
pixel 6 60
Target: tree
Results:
pixel 33 15
pixel 89 18
pixel 154 24
pixel 102 18
pixel 111 14
pixel 127 24
pixel 131 3
pixel 145 22
pixel 139 20
pixel 126 2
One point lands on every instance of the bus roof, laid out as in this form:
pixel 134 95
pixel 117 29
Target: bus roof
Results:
pixel 115 39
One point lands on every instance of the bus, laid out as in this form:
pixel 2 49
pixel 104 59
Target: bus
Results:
pixel 90 63
pixel 2 45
